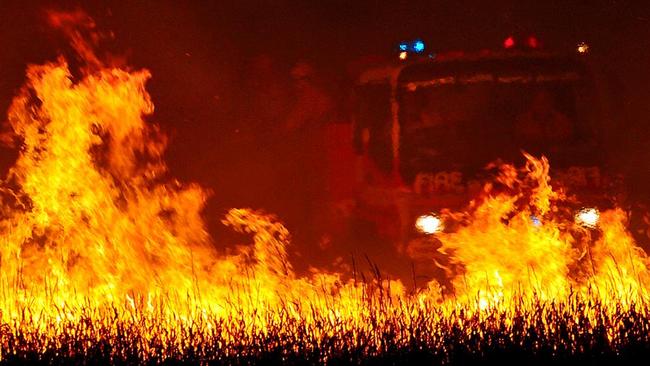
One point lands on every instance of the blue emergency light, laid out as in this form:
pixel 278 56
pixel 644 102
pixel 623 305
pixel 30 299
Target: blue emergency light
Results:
pixel 535 220
pixel 416 46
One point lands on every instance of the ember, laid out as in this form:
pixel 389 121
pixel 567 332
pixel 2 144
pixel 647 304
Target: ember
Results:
pixel 106 259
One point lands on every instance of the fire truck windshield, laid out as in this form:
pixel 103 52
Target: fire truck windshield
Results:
pixel 461 122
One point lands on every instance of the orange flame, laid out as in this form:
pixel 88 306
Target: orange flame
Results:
pixel 91 220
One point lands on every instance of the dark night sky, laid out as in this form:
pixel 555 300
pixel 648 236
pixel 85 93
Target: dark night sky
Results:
pixel 197 52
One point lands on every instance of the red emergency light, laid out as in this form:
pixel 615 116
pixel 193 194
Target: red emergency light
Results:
pixel 509 42
pixel 532 42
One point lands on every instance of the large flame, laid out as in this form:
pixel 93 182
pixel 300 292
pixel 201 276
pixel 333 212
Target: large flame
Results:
pixel 92 223
pixel 517 244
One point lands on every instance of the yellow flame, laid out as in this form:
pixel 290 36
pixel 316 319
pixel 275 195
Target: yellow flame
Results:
pixel 92 224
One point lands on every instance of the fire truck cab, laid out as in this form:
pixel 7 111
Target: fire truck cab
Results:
pixel 425 126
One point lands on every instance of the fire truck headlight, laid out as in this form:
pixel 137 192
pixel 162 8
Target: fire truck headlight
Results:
pixel 429 224
pixel 588 217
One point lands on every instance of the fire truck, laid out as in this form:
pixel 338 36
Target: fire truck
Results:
pixel 426 125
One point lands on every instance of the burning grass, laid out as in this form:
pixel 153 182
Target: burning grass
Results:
pixel 104 258
pixel 541 332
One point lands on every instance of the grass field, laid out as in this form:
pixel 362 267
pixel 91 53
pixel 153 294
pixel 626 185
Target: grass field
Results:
pixel 575 331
